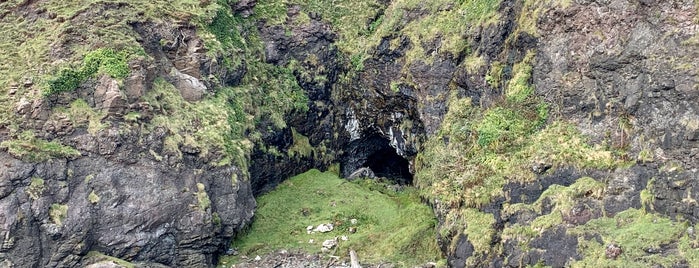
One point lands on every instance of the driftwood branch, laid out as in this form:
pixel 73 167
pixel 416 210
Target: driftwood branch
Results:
pixel 354 260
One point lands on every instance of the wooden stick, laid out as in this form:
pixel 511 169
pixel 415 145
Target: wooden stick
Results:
pixel 354 260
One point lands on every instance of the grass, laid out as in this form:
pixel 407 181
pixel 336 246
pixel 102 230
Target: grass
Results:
pixel 58 213
pixel 561 198
pixel 636 232
pixel 36 188
pixel 301 147
pixel 43 49
pixel 213 126
pixel 32 149
pixel 391 225
pixel 477 151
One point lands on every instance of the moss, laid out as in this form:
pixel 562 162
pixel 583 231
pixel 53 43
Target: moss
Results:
pixel 93 197
pixel 58 213
pixel 636 232
pixel 213 125
pixel 29 148
pixel 301 146
pixel 216 219
pixel 391 226
pixel 519 87
pixel 480 229
pixel 560 198
pixel 202 197
pixel 36 188
pixel 82 115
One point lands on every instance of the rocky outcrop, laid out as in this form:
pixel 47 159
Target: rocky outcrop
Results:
pixel 129 193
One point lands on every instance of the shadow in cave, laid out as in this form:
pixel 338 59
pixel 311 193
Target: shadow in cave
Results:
pixel 375 153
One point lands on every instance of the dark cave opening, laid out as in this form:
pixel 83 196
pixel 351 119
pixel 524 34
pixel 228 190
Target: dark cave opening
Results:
pixel 386 163
pixel 376 153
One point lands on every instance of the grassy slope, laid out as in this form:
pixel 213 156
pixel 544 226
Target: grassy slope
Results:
pixel 392 226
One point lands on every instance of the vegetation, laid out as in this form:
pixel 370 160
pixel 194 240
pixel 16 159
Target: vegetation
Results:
pixel 93 197
pixel 105 61
pixel 637 233
pixel 391 225
pixel 36 188
pixel 58 213
pixel 32 149
pixel 479 150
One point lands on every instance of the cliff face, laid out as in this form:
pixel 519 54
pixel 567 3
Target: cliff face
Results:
pixel 541 132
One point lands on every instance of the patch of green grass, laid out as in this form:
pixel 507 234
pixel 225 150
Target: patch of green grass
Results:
pixel 519 88
pixel 636 232
pixel 36 188
pixel 213 126
pixel 391 225
pixel 85 37
pixel 202 197
pixel 93 197
pixel 301 146
pixel 58 213
pixel 561 198
pixel 32 149
pixel 100 61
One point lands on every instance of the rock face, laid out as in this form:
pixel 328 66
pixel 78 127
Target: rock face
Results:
pixel 622 72
pixel 128 193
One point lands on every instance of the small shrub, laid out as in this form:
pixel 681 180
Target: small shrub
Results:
pixel 103 60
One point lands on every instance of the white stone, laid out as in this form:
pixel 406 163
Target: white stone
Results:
pixel 324 228
pixel 330 243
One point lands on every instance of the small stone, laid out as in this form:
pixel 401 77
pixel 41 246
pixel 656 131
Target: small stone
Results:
pixel 613 251
pixel 309 229
pixel 324 228
pixel 354 221
pixel 258 258
pixel 352 230
pixel 330 243
pixel 344 238
pixel 311 241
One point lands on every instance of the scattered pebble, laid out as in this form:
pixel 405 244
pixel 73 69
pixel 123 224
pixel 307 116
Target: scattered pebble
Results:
pixel 344 238
pixel 311 241
pixel 353 221
pixel 330 243
pixel 258 258
pixel 324 228
pixel 613 251
pixel 353 229
pixel 309 229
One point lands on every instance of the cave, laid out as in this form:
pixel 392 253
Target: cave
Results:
pixel 376 153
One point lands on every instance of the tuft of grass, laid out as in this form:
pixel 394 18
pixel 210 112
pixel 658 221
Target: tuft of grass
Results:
pixel 301 147
pixel 202 197
pixel 93 197
pixel 636 232
pixel 32 149
pixel 100 61
pixel 58 213
pixel 561 198
pixel 213 126
pixel 391 225
pixel 36 188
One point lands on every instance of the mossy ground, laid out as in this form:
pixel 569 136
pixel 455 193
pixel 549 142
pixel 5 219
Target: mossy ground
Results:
pixel 392 226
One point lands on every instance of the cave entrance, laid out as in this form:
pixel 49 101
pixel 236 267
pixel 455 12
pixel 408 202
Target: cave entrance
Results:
pixel 376 154
pixel 386 163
